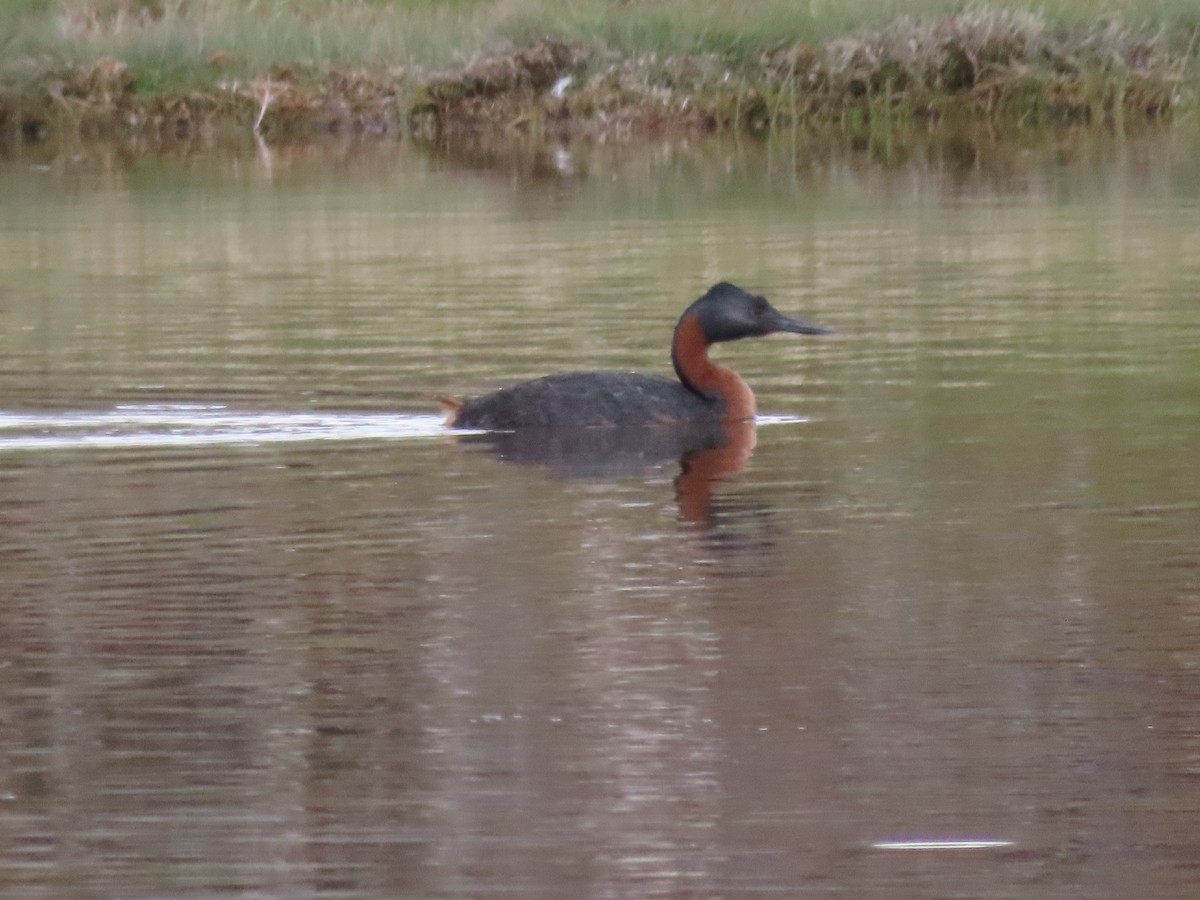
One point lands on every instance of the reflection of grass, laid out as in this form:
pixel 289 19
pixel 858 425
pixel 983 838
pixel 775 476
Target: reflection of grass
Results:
pixel 763 64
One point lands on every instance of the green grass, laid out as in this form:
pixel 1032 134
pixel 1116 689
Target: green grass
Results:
pixel 257 34
pixel 176 40
pixel 878 53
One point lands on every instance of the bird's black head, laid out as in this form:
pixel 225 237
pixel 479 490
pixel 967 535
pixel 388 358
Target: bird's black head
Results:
pixel 728 313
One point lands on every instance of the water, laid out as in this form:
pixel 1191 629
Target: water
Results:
pixel 931 629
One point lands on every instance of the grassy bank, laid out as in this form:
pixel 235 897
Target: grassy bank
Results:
pixel 178 66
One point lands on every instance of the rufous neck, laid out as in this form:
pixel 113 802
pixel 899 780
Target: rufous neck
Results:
pixel 689 354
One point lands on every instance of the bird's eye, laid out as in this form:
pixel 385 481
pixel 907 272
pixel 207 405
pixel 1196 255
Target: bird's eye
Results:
pixel 760 305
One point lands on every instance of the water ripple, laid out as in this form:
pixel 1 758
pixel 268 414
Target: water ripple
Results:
pixel 192 425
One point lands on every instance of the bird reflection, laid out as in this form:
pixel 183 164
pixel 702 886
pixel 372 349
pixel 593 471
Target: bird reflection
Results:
pixel 706 452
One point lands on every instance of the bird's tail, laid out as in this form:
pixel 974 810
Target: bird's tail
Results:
pixel 450 406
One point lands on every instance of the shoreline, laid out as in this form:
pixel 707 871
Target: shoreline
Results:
pixel 1006 69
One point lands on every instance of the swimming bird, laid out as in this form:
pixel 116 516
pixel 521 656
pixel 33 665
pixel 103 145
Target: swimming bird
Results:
pixel 705 391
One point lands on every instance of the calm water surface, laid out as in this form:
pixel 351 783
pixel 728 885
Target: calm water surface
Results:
pixel 267 630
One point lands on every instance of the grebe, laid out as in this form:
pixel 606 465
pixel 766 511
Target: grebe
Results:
pixel 705 391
